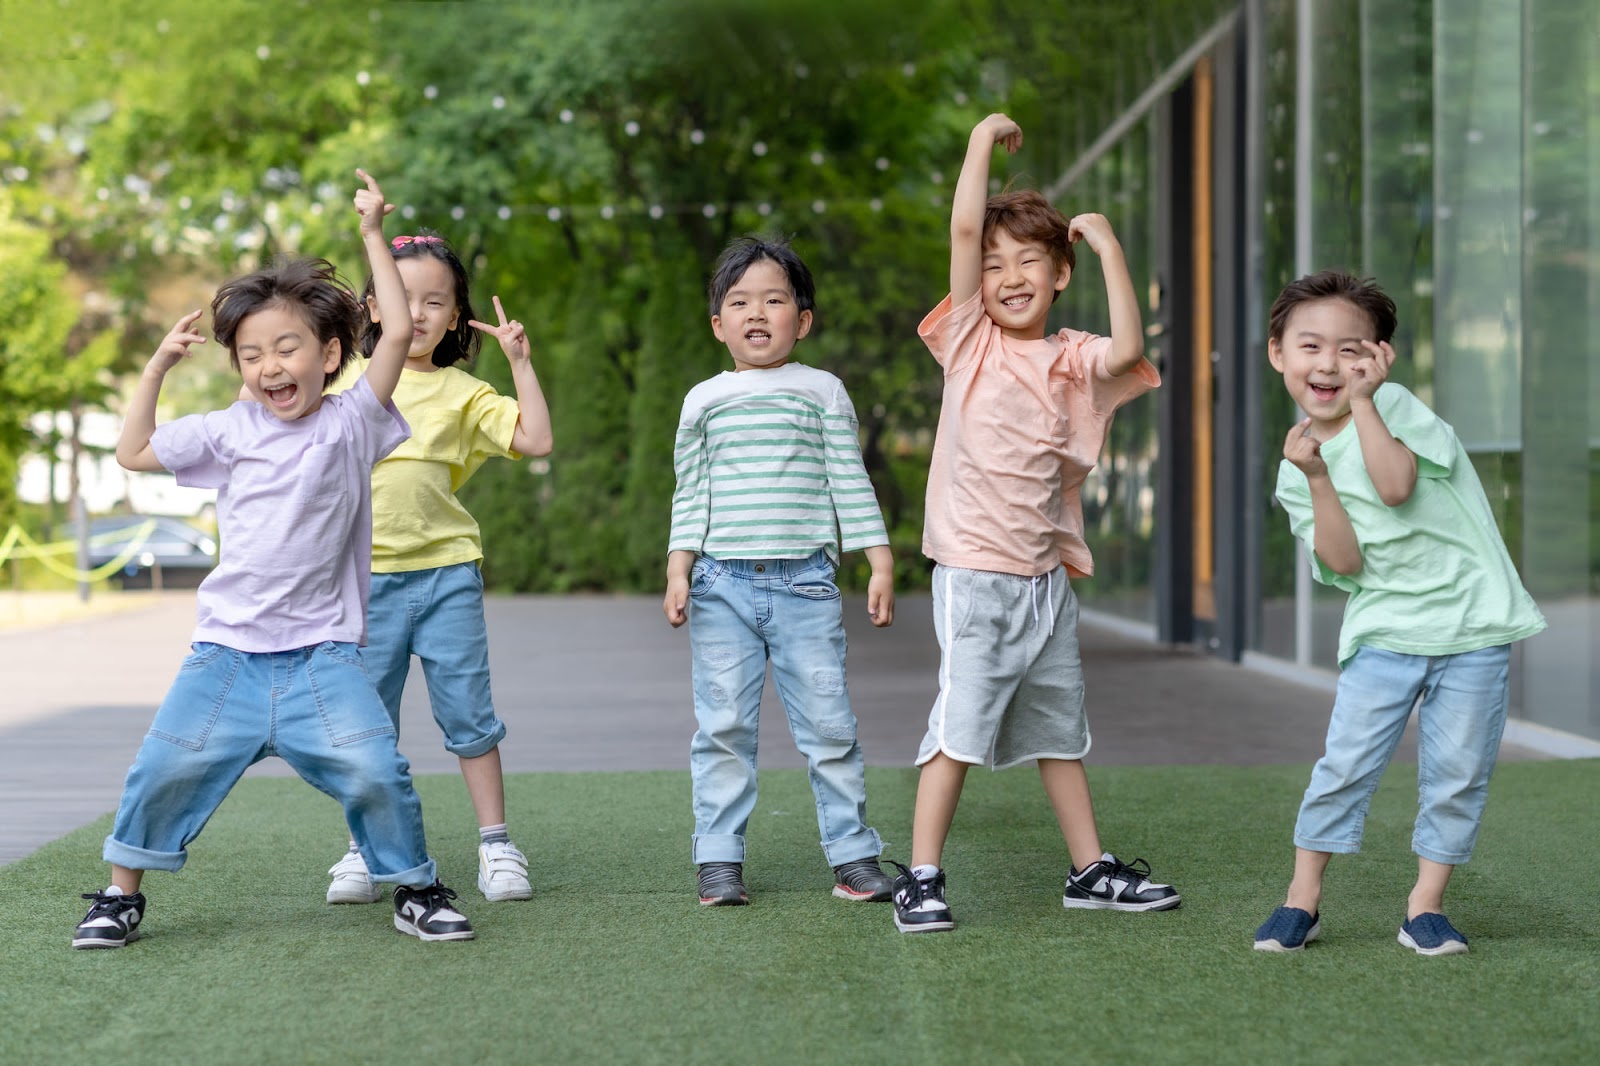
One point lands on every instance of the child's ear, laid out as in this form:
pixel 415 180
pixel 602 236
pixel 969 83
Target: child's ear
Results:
pixel 1275 354
pixel 716 328
pixel 1063 275
pixel 805 325
pixel 332 355
pixel 372 308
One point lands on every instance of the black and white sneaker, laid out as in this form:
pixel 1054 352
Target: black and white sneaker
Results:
pixel 426 913
pixel 1112 884
pixel 722 884
pixel 919 906
pixel 113 920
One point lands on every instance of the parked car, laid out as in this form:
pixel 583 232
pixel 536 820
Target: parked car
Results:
pixel 183 554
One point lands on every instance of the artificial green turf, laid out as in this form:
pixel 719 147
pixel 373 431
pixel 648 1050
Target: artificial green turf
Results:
pixel 613 961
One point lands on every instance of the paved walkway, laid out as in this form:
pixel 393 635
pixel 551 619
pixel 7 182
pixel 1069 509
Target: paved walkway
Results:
pixel 602 683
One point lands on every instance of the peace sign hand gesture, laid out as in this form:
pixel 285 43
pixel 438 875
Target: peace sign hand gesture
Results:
pixel 512 337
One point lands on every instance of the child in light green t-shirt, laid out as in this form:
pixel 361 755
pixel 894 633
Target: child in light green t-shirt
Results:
pixel 1388 505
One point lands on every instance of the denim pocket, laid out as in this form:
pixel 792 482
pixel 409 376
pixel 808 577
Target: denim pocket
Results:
pixel 194 703
pixel 815 583
pixel 346 700
pixel 704 575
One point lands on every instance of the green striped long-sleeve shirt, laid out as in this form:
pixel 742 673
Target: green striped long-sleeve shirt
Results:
pixel 769 467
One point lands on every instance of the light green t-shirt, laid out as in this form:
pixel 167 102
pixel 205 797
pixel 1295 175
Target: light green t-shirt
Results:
pixel 457 422
pixel 1435 576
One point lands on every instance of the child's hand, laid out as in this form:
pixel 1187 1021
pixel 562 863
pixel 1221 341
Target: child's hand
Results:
pixel 1094 230
pixel 512 337
pixel 998 129
pixel 675 604
pixel 174 347
pixel 370 205
pixel 1367 374
pixel 1304 450
pixel 880 599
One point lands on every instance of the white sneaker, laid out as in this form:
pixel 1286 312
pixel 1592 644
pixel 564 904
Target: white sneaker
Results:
pixel 503 872
pixel 351 882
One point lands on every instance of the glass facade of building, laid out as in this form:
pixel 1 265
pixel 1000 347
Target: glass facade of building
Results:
pixel 1452 151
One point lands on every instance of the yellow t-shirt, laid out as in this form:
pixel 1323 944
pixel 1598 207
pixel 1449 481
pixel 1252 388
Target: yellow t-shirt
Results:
pixel 457 422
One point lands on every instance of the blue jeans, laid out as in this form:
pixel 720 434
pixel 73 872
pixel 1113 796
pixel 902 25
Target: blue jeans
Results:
pixel 741 613
pixel 436 615
pixel 1459 722
pixel 313 707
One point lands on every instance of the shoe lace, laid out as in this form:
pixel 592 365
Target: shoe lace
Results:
pixel 108 905
pixel 916 890
pixel 437 896
pixel 1136 871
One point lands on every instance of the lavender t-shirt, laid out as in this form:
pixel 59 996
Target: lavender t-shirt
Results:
pixel 294 511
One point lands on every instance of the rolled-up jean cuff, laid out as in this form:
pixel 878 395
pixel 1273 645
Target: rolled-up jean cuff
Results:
pixel 1438 856
pixel 478 747
pixel 126 855
pixel 863 845
pixel 1332 847
pixel 416 877
pixel 721 847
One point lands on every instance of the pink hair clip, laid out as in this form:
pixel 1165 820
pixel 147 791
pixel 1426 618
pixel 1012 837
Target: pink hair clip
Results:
pixel 401 242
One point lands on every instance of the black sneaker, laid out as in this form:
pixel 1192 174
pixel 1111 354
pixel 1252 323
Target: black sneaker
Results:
pixel 862 881
pixel 113 920
pixel 426 913
pixel 919 906
pixel 722 885
pixel 1112 884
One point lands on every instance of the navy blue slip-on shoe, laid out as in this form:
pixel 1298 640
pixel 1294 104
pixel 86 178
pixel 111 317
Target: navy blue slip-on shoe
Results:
pixel 1432 934
pixel 1289 929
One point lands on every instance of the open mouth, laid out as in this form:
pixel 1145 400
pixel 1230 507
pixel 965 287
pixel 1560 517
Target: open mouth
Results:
pixel 1017 302
pixel 282 395
pixel 758 338
pixel 1325 393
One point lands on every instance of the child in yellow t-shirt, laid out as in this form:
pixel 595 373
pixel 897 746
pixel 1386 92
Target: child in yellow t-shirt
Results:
pixel 427 589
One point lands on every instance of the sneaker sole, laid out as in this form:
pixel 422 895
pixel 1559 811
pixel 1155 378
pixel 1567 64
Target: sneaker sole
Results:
pixel 1280 948
pixel 92 942
pixel 354 895
pixel 722 901
pixel 403 926
pixel 501 896
pixel 1104 905
pixel 1449 947
pixel 845 892
pixel 924 927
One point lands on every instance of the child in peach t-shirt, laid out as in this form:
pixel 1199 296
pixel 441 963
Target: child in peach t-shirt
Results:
pixel 1022 424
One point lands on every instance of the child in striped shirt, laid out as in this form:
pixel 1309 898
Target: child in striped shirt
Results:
pixel 771 488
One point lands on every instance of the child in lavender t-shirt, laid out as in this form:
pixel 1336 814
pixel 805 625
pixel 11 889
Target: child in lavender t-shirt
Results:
pixel 275 668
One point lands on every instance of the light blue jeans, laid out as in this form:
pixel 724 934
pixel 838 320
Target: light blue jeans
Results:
pixel 313 707
pixel 741 613
pixel 436 615
pixel 1459 722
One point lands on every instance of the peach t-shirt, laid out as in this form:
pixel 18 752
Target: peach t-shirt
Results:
pixel 1021 426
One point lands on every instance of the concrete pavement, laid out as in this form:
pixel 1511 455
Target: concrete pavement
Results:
pixel 602 683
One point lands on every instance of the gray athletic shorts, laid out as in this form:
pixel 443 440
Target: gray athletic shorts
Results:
pixel 1010 677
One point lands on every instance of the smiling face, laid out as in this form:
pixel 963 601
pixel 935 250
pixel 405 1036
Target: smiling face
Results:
pixel 1321 339
pixel 431 291
pixel 759 320
pixel 282 362
pixel 1018 283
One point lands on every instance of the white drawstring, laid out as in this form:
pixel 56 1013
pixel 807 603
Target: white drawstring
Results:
pixel 1049 598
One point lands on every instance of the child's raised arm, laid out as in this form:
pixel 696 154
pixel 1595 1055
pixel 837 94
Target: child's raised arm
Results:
pixel 389 355
pixel 133 446
pixel 967 206
pixel 1127 333
pixel 533 435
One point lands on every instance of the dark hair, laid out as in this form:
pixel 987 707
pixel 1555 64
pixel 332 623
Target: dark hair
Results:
pixel 1028 216
pixel 310 286
pixel 460 343
pixel 746 252
pixel 1363 293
